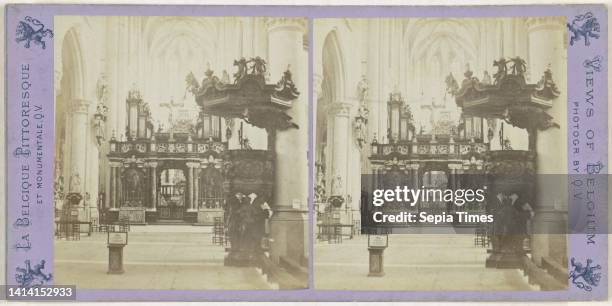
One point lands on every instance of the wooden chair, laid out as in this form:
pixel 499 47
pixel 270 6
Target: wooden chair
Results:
pixel 218 231
pixel 481 238
pixel 74 231
pixel 95 227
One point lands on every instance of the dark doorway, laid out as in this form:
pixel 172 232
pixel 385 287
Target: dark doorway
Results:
pixel 172 190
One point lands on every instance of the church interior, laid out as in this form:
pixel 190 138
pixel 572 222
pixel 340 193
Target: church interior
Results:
pixel 436 103
pixel 161 122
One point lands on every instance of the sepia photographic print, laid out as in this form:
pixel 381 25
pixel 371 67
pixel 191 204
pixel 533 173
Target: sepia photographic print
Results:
pixel 180 152
pixel 440 104
pixel 255 153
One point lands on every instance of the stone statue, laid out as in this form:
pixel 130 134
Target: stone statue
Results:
pixel 320 183
pixel 242 69
pixel 359 128
pixel 519 66
pixel 99 127
pixel 102 89
pixel 337 185
pixel 259 66
pixel 502 69
pixel 75 182
pixel 100 122
pixel 363 89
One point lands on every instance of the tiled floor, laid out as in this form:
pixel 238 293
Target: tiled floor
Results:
pixel 418 262
pixel 156 257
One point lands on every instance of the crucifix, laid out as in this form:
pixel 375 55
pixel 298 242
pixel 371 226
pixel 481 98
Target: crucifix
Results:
pixel 171 107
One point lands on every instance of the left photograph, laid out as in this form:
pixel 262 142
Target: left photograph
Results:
pixel 181 152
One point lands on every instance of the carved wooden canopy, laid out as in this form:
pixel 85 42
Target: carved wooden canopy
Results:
pixel 507 91
pixel 249 98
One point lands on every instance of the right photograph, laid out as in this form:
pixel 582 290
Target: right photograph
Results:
pixel 440 154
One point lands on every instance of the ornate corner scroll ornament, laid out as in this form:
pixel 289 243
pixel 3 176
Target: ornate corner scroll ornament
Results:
pixel 27 277
pixel 584 277
pixel 584 26
pixel 285 88
pixel 546 87
pixel 32 30
pixel 594 64
pixel 529 118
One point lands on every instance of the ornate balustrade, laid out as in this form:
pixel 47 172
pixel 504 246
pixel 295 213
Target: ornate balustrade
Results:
pixel 146 147
pixel 409 150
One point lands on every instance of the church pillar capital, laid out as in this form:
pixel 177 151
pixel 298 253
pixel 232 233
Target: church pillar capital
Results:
pixel 286 24
pixel 151 164
pixel 192 165
pixel 340 109
pixel 115 164
pixel 414 166
pixel 80 106
pixel 544 23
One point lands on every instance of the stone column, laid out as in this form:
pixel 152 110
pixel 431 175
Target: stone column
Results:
pixel 453 175
pixel 119 184
pixel 415 176
pixel 339 141
pixel 317 80
pixel 78 145
pixel 378 109
pixel 190 167
pixel 114 190
pixel 196 186
pixel 547 49
pixel 153 172
pixel 289 225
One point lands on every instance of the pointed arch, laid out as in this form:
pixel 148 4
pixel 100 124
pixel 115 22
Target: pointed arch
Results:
pixel 333 66
pixel 73 65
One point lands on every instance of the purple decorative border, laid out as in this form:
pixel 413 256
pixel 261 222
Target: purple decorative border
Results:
pixel 41 89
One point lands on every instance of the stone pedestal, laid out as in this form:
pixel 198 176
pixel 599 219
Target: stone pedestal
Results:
pixel 377 267
pixel 115 259
pixel 288 230
pixel 549 228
